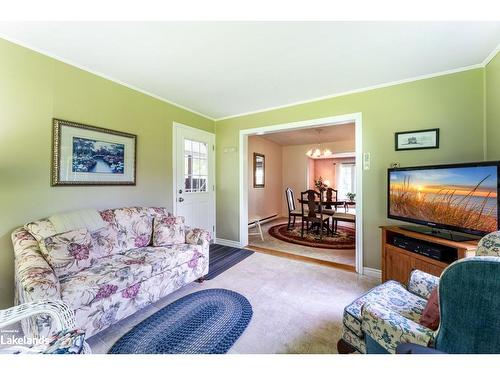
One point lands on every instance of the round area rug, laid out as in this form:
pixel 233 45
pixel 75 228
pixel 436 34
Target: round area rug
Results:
pixel 345 239
pixel 204 322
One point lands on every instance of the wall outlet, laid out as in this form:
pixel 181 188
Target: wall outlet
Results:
pixel 366 161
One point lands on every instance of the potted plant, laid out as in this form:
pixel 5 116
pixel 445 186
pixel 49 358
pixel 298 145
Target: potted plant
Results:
pixel 351 196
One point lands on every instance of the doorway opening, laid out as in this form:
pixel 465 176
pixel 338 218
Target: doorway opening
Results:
pixel 323 155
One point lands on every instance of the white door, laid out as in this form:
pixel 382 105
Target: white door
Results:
pixel 194 177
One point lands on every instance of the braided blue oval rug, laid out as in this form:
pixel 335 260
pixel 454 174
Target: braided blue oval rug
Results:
pixel 204 322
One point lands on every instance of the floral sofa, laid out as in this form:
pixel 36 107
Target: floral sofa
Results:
pixel 138 256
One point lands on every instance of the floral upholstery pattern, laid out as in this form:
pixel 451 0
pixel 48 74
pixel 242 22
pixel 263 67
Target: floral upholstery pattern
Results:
pixel 168 230
pixel 68 252
pixel 120 271
pixel 133 226
pixel 41 230
pixel 118 282
pixel 106 311
pixel 352 339
pixel 66 342
pixel 196 236
pixel 422 284
pixel 389 328
pixel 391 294
pixel 105 241
pixel 489 245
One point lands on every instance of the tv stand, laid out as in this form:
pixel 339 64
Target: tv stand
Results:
pixel 397 262
pixel 446 234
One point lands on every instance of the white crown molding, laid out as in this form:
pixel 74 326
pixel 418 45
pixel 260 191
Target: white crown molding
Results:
pixel 491 56
pixel 356 91
pixel 84 68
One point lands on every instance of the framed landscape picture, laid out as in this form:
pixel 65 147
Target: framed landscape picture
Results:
pixel 417 139
pixel 88 155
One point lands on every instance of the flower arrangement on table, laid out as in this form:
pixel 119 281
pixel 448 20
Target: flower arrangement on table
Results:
pixel 320 184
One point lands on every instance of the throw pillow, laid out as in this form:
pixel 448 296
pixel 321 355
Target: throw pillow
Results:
pixel 105 241
pixel 68 252
pixel 430 316
pixel 40 230
pixel 168 230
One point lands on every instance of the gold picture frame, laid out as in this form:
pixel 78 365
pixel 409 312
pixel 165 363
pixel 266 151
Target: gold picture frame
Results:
pixel 85 155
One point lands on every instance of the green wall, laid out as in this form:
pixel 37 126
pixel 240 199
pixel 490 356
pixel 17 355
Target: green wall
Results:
pixel 34 89
pixel 453 103
pixel 492 75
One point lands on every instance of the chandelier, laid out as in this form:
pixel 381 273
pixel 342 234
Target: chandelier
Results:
pixel 318 151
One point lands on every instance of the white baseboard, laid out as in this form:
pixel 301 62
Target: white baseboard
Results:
pixel 372 272
pixel 222 241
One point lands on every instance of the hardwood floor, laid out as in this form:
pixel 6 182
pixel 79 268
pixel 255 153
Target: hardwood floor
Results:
pixel 301 258
pixel 342 259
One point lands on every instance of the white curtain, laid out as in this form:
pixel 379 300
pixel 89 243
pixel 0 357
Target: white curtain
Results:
pixel 346 179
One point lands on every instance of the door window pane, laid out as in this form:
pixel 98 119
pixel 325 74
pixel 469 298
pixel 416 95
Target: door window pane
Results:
pixel 195 166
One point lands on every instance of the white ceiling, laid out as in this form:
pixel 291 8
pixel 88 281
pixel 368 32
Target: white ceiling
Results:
pixel 336 133
pixel 222 69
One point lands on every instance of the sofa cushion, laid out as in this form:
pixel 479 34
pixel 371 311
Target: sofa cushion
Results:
pixel 105 241
pixel 158 211
pixel 166 257
pixel 391 294
pixel 87 218
pixel 118 272
pixel 68 252
pixel 40 230
pixel 168 230
pixel 107 276
pixel 134 226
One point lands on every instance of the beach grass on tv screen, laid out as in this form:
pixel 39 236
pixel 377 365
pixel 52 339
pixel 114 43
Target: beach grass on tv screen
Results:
pixel 453 206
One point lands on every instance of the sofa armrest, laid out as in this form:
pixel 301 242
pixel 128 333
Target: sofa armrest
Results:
pixel 489 245
pixel 422 284
pixel 389 329
pixel 197 236
pixel 35 280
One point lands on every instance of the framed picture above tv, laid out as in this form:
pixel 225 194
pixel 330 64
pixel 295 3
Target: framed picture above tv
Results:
pixel 89 155
pixel 417 139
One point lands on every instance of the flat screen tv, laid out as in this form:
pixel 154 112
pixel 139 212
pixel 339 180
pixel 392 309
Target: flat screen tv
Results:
pixel 455 197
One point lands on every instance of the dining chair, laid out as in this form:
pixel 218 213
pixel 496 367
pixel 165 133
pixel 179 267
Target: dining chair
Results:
pixel 311 207
pixel 330 192
pixel 330 207
pixel 292 211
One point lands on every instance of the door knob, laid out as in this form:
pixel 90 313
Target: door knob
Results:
pixel 181 199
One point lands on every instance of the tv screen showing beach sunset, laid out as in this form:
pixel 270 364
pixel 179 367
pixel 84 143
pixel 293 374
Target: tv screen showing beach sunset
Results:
pixel 463 197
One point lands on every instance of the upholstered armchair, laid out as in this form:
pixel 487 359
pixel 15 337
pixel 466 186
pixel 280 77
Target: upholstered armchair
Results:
pixel 469 301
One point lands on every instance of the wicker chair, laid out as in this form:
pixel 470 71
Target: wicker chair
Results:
pixel 62 316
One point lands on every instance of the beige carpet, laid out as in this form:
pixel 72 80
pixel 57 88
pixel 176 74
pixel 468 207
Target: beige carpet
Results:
pixel 297 306
pixel 338 256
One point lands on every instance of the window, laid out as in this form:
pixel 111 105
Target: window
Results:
pixel 195 166
pixel 346 180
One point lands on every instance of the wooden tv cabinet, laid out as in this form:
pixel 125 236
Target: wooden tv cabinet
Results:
pixel 397 263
